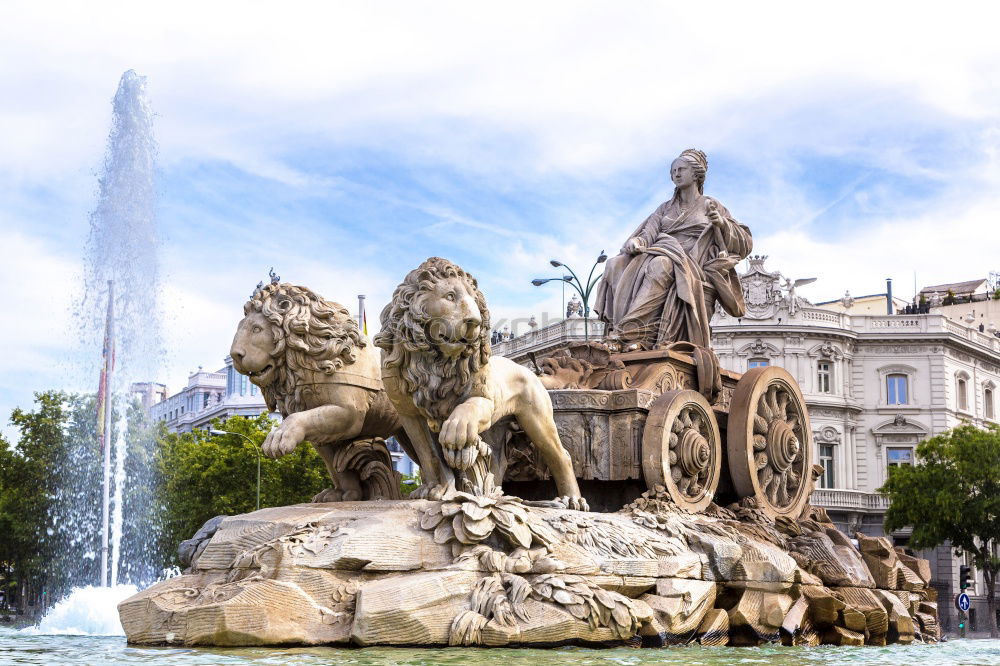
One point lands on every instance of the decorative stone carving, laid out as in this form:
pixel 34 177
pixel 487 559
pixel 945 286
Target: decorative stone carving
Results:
pixel 489 569
pixel 314 366
pixel 761 289
pixel 826 435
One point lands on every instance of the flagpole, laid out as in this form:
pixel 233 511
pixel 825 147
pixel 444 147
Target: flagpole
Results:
pixel 109 355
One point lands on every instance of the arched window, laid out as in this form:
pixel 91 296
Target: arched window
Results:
pixel 988 410
pixel 897 389
pixel 962 393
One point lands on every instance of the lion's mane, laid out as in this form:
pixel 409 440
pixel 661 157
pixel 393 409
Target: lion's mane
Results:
pixel 436 383
pixel 309 333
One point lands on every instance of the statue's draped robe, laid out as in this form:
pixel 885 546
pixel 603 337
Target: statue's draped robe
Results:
pixel 667 292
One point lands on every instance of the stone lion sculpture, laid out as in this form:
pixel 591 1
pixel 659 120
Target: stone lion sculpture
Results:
pixel 314 366
pixel 438 372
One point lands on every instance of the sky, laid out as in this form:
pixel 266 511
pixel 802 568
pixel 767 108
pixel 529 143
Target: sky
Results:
pixel 344 143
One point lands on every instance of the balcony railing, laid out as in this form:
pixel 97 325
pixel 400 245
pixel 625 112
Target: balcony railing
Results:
pixel 561 332
pixel 849 500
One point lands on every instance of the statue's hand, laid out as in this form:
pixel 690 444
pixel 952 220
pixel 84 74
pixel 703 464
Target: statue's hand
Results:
pixel 283 439
pixel 461 428
pixel 633 246
pixel 714 216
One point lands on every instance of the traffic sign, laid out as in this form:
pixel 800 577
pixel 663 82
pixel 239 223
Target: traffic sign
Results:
pixel 963 603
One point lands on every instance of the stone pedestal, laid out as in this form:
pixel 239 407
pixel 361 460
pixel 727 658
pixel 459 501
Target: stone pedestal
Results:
pixel 493 572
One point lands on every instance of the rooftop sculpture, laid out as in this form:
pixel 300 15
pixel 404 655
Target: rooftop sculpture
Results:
pixel 699 481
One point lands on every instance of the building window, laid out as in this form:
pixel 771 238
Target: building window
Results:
pixel 961 387
pixel 243 384
pixel 988 403
pixel 898 456
pixel 823 374
pixel 897 389
pixel 253 389
pixel 757 363
pixel 826 460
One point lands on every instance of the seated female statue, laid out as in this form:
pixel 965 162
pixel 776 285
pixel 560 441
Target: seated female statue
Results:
pixel 672 270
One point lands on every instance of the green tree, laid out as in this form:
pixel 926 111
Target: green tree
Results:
pixel 203 476
pixel 953 496
pixel 49 496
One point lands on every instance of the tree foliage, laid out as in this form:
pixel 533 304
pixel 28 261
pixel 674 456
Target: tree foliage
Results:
pixel 206 475
pixel 953 496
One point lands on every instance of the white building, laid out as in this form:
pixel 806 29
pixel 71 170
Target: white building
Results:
pixel 207 396
pixel 876 384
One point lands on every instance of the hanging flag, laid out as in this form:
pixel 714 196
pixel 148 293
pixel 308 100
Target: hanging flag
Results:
pixel 364 322
pixel 107 366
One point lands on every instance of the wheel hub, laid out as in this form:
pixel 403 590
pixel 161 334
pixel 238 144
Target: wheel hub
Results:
pixel 782 445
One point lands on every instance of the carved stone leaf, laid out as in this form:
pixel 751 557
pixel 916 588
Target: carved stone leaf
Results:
pixel 475 512
pixel 565 597
pixel 621 615
pixel 543 590
pixel 450 508
pixel 444 533
pixel 519 533
pixel 503 518
pixel 458 527
pixel 430 520
pixel 480 529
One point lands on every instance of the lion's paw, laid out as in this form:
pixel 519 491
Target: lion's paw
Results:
pixel 328 495
pixel 573 503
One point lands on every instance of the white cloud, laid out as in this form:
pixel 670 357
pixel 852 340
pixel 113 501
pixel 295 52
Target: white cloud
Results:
pixel 578 96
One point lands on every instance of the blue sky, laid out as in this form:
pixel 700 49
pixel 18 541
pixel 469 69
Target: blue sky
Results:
pixel 343 143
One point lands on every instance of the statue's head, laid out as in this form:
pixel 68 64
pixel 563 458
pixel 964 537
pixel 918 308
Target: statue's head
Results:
pixel 690 167
pixel 436 330
pixel 287 332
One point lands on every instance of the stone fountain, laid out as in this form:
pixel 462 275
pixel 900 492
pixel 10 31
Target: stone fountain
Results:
pixel 699 478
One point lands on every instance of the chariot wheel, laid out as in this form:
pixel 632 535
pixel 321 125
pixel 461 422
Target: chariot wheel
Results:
pixel 769 441
pixel 682 448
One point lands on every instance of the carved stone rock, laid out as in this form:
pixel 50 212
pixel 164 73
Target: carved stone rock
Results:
pixel 492 570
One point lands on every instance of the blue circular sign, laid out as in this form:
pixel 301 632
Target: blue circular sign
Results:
pixel 963 603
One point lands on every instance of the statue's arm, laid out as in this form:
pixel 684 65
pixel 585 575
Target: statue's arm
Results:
pixel 736 237
pixel 645 235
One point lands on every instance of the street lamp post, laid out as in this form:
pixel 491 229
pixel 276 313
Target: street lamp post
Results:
pixel 215 433
pixel 574 281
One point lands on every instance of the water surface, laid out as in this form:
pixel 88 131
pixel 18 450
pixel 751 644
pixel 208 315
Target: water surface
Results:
pixel 21 648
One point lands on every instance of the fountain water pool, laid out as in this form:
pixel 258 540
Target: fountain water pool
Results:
pixel 45 649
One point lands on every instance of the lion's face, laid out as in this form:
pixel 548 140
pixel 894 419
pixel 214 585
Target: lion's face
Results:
pixel 454 320
pixel 252 349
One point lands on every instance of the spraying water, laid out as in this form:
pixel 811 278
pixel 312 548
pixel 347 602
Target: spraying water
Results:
pixel 121 263
pixel 87 611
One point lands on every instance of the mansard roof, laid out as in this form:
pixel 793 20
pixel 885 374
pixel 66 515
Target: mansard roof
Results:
pixel 958 288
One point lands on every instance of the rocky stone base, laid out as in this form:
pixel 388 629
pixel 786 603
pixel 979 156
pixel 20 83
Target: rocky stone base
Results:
pixel 496 571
